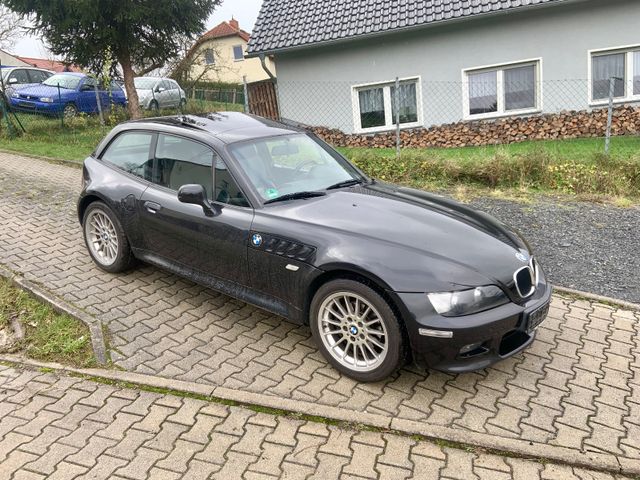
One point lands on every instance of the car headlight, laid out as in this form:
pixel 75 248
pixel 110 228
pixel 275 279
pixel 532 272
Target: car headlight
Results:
pixel 15 95
pixel 466 302
pixel 46 99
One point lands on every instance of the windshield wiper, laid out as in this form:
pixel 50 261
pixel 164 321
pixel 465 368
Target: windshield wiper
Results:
pixel 295 196
pixel 346 183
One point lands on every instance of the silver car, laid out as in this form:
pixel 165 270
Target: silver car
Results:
pixel 155 93
pixel 15 78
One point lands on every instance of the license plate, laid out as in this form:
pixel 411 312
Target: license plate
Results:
pixel 536 318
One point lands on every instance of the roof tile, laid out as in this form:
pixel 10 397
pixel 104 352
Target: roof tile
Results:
pixel 284 24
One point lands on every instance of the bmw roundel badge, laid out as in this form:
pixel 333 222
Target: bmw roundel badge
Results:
pixel 256 239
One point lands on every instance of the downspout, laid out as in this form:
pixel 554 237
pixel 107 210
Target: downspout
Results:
pixel 265 68
pixel 273 78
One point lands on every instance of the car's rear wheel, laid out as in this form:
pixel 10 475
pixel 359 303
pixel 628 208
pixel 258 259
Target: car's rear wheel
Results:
pixel 183 104
pixel 70 110
pixel 356 330
pixel 105 239
pixel 153 106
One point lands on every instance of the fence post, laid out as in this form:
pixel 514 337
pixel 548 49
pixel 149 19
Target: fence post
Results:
pixel 607 142
pixel 98 102
pixel 60 102
pixel 246 96
pixel 397 104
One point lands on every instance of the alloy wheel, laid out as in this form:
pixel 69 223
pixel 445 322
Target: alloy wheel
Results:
pixel 102 237
pixel 353 331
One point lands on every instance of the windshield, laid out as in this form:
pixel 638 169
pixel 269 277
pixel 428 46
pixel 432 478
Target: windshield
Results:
pixel 144 83
pixel 65 81
pixel 290 164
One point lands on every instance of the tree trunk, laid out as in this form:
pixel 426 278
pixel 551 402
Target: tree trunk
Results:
pixel 133 105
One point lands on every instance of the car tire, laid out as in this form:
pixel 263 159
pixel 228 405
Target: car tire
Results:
pixel 153 106
pixel 183 104
pixel 70 110
pixel 105 239
pixel 356 330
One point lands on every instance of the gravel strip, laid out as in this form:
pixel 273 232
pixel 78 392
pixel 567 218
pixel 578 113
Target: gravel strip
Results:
pixel 581 245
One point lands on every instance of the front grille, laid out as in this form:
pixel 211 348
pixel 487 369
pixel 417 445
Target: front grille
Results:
pixel 526 279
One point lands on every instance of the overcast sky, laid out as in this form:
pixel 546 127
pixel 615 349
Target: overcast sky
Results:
pixel 245 11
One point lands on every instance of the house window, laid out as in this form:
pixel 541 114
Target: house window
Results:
pixel 209 57
pixel 238 54
pixel 502 90
pixel 623 66
pixel 375 105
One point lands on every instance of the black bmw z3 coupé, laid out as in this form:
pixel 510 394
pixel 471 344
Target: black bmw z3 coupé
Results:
pixel 274 216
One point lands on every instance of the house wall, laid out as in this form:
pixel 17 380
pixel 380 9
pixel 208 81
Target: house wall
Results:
pixel 226 68
pixel 7 59
pixel 315 85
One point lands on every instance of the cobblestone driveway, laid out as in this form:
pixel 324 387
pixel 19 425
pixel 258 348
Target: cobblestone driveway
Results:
pixel 578 386
pixel 64 428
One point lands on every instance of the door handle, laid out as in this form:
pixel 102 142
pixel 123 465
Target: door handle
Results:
pixel 152 207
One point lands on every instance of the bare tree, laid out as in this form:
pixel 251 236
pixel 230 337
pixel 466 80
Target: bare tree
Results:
pixel 193 66
pixel 12 27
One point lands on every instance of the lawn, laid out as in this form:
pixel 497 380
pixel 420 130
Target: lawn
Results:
pixel 49 336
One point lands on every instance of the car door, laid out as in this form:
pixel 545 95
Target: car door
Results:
pixel 86 96
pixel 182 234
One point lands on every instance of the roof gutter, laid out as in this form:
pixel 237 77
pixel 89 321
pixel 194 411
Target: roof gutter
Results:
pixel 438 23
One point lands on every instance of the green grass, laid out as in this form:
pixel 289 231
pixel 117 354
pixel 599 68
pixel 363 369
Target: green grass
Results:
pixel 49 336
pixel 74 141
pixel 575 167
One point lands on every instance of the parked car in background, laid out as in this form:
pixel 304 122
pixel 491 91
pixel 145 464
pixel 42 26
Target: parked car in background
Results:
pixel 69 94
pixel 155 93
pixel 16 78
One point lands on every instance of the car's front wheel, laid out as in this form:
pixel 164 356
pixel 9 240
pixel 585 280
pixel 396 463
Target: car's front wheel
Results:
pixel 105 239
pixel 356 330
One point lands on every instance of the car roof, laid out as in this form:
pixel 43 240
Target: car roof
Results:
pixel 228 127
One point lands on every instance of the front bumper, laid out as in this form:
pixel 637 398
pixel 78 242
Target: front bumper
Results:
pixel 500 332
pixel 36 106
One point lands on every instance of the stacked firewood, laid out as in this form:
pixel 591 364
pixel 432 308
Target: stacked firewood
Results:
pixel 563 125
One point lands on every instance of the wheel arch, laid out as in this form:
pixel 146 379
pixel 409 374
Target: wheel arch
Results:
pixel 352 272
pixel 87 200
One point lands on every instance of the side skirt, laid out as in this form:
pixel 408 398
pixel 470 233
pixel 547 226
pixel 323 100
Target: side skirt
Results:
pixel 227 287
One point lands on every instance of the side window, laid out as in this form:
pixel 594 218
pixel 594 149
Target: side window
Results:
pixel 131 152
pixel 227 190
pixel 89 82
pixel 182 162
pixel 18 76
pixel 37 76
pixel 166 84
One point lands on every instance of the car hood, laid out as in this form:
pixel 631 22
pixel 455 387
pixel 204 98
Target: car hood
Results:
pixel 40 90
pixel 417 223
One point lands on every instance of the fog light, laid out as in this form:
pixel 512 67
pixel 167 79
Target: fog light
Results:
pixel 472 350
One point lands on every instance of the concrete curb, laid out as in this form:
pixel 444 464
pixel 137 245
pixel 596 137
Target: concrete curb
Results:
pixel 598 298
pixel 61 306
pixel 510 447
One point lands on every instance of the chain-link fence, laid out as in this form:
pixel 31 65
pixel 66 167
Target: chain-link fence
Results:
pixel 70 101
pixel 479 111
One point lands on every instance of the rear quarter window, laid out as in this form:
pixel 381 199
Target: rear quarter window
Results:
pixel 131 152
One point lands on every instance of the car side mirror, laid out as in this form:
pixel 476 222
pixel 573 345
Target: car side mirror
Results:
pixel 196 195
pixel 86 88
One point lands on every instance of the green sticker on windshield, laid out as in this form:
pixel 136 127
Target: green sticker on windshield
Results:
pixel 272 193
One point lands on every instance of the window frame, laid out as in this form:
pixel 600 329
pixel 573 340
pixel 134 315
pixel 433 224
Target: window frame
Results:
pixel 213 56
pixel 500 68
pixel 213 178
pixel 388 106
pixel 628 51
pixel 233 51
pixel 150 154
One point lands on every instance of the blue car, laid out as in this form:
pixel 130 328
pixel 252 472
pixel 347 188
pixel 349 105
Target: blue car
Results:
pixel 68 94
